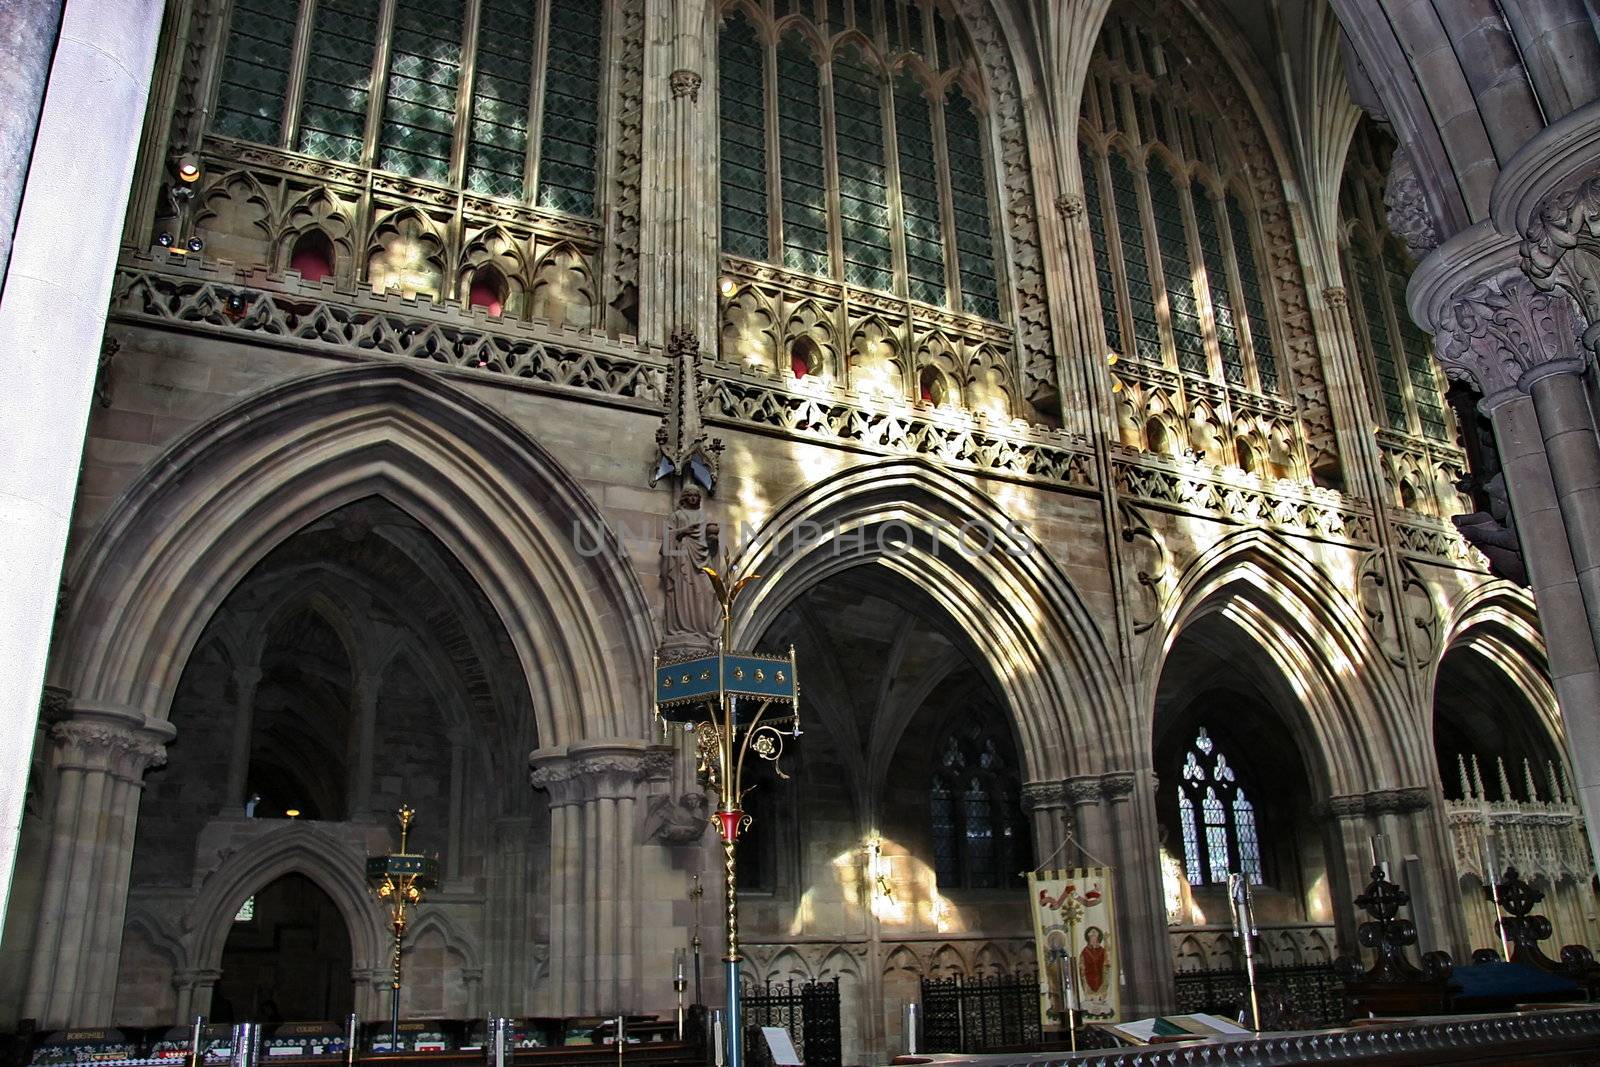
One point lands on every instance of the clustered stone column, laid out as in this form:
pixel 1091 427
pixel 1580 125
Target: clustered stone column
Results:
pixel 594 833
pixel 99 761
pixel 1404 818
pixel 1522 347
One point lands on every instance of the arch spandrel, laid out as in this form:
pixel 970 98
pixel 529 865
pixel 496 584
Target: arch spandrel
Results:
pixel 1039 644
pixel 217 501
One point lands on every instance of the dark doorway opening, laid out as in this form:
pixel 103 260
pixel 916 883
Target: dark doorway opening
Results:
pixel 287 957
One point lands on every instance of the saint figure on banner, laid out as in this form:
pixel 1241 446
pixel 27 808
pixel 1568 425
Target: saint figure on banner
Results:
pixel 1092 962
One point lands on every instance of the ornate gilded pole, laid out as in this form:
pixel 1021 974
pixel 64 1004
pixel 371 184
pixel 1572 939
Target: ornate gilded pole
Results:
pixel 713 695
pixel 398 880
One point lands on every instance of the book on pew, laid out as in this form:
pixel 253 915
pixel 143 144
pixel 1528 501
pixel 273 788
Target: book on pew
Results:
pixel 1181 1027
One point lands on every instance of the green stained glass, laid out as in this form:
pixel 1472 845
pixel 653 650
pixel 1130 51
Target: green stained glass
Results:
pixel 497 148
pixel 255 71
pixel 1205 218
pixel 941 39
pixel 1167 207
pixel 914 26
pixel 969 191
pixel 333 119
pixel 744 141
pixel 1418 352
pixel 1130 232
pixel 1102 261
pixel 419 110
pixel 570 133
pixel 919 193
pixel 1383 355
pixel 805 187
pixel 836 16
pixel 891 23
pixel 863 178
pixel 1255 303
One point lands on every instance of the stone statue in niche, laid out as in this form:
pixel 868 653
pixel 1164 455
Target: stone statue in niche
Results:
pixel 693 619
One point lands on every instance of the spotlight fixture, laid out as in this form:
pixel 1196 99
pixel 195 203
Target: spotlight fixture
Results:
pixel 195 244
pixel 293 813
pixel 187 168
pixel 726 286
pixel 166 240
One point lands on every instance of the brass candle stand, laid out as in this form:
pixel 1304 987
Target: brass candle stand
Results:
pixel 399 880
pixel 734 703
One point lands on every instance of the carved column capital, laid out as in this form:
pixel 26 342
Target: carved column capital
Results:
pixel 1336 296
pixel 1403 800
pixel 1561 246
pixel 1504 333
pixel 591 771
pixel 1117 785
pixel 1070 206
pixel 685 83
pixel 1410 216
pixel 1085 789
pixel 115 741
pixel 1043 795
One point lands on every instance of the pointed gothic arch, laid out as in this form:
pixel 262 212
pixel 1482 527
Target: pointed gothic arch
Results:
pixel 1041 649
pixel 226 493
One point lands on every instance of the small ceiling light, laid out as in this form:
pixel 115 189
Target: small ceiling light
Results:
pixel 1111 359
pixel 293 813
pixel 726 286
pixel 188 169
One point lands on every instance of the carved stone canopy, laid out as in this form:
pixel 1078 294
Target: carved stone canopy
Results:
pixel 684 448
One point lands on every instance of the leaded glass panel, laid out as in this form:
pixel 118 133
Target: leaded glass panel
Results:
pixel 941 39
pixel 914 26
pixel 744 141
pixel 1244 824
pixel 1191 840
pixel 805 193
pixel 863 17
pixel 1383 355
pixel 333 118
pixel 979 833
pixel 1130 231
pixel 863 178
pixel 891 23
pixel 1255 303
pixel 969 194
pixel 570 126
pixel 498 149
pixel 943 809
pixel 1102 259
pixel 1418 348
pixel 919 193
pixel 419 111
pixel 836 23
pixel 1205 218
pixel 255 71
pixel 1167 206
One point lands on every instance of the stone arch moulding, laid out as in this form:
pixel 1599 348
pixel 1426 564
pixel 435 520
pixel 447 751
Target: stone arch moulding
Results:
pixel 1356 716
pixel 298 848
pixel 1499 621
pixel 221 497
pixel 1041 646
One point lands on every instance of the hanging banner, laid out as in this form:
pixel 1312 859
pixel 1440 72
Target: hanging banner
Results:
pixel 1072 910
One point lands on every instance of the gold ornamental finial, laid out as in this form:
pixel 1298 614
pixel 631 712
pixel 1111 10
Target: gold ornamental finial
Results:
pixel 405 815
pixel 726 593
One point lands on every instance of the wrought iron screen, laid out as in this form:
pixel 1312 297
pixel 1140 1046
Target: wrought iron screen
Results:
pixel 809 1011
pixel 1313 994
pixel 980 1014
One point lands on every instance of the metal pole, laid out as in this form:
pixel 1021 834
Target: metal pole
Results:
pixel 195 1038
pixel 732 959
pixel 394 991
pixel 352 1037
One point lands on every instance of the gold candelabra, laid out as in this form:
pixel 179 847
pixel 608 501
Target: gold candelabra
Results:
pixel 398 880
pixel 714 695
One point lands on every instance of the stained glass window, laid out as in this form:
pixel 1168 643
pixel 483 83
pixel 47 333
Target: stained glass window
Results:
pixel 919 193
pixel 805 184
pixel 1175 268
pixel 1418 349
pixel 744 141
pixel 333 118
pixel 1217 820
pixel 419 111
pixel 497 152
pixel 979 840
pixel 1205 219
pixel 1255 303
pixel 1383 355
pixel 1107 285
pixel 969 192
pixel 863 177
pixel 1130 230
pixel 571 120
pixel 255 71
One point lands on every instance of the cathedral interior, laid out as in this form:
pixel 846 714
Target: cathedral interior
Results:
pixel 1161 435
